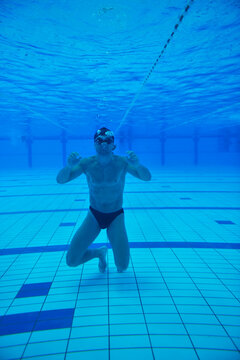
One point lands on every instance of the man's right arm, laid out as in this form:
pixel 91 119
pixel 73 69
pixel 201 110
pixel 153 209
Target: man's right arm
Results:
pixel 70 171
pixel 68 174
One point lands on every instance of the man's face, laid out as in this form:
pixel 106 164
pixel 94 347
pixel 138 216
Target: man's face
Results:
pixel 104 144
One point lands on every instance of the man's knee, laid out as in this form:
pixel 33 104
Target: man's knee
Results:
pixel 123 265
pixel 70 261
pixel 121 269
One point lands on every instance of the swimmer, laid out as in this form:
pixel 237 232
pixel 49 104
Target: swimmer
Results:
pixel 105 173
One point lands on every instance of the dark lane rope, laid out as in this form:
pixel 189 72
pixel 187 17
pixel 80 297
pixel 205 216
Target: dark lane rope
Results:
pixel 154 65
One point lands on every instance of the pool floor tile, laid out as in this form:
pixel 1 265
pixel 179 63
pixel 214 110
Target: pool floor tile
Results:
pixel 179 341
pixel 173 353
pixel 213 342
pixel 44 348
pixel 90 343
pixel 178 299
pixel 129 341
pixel 140 354
pixel 218 354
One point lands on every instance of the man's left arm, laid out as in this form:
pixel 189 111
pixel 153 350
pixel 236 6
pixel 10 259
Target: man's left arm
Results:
pixel 135 168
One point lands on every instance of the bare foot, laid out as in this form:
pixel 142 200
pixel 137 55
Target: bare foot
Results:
pixel 102 258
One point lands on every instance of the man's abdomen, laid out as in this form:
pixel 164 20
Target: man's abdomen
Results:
pixel 106 200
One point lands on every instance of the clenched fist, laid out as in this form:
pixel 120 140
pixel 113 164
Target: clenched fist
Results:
pixel 132 158
pixel 74 159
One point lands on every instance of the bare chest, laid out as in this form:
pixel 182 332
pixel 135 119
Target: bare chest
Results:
pixel 107 175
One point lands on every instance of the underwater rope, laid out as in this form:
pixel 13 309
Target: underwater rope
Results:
pixel 154 65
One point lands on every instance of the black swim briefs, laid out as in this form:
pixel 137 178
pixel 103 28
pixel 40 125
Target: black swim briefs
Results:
pixel 105 219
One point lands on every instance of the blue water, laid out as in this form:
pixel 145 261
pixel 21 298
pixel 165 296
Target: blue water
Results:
pixel 68 68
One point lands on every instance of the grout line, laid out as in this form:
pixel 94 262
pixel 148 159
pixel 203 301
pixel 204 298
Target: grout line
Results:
pixel 66 351
pixel 172 298
pixel 200 291
pixel 146 324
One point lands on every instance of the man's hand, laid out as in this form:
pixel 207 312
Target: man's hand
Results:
pixel 132 158
pixel 73 159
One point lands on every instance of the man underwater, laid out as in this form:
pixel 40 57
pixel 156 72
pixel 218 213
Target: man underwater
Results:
pixel 105 174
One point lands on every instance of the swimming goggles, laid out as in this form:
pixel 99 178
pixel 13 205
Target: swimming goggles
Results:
pixel 100 140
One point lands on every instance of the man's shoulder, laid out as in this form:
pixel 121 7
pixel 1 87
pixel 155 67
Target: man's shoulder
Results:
pixel 90 159
pixel 121 160
pixel 85 162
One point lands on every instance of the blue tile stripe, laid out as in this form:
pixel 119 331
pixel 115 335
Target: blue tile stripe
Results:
pixel 128 192
pixel 131 183
pixel 68 224
pixel 34 249
pixel 49 194
pixel 36 289
pixel 228 222
pixel 133 245
pixel 126 208
pixel 34 321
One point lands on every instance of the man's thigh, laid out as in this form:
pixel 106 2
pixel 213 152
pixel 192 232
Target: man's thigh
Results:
pixel 84 236
pixel 118 239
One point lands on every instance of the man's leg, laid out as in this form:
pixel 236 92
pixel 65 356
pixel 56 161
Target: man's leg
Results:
pixel 118 238
pixel 78 252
